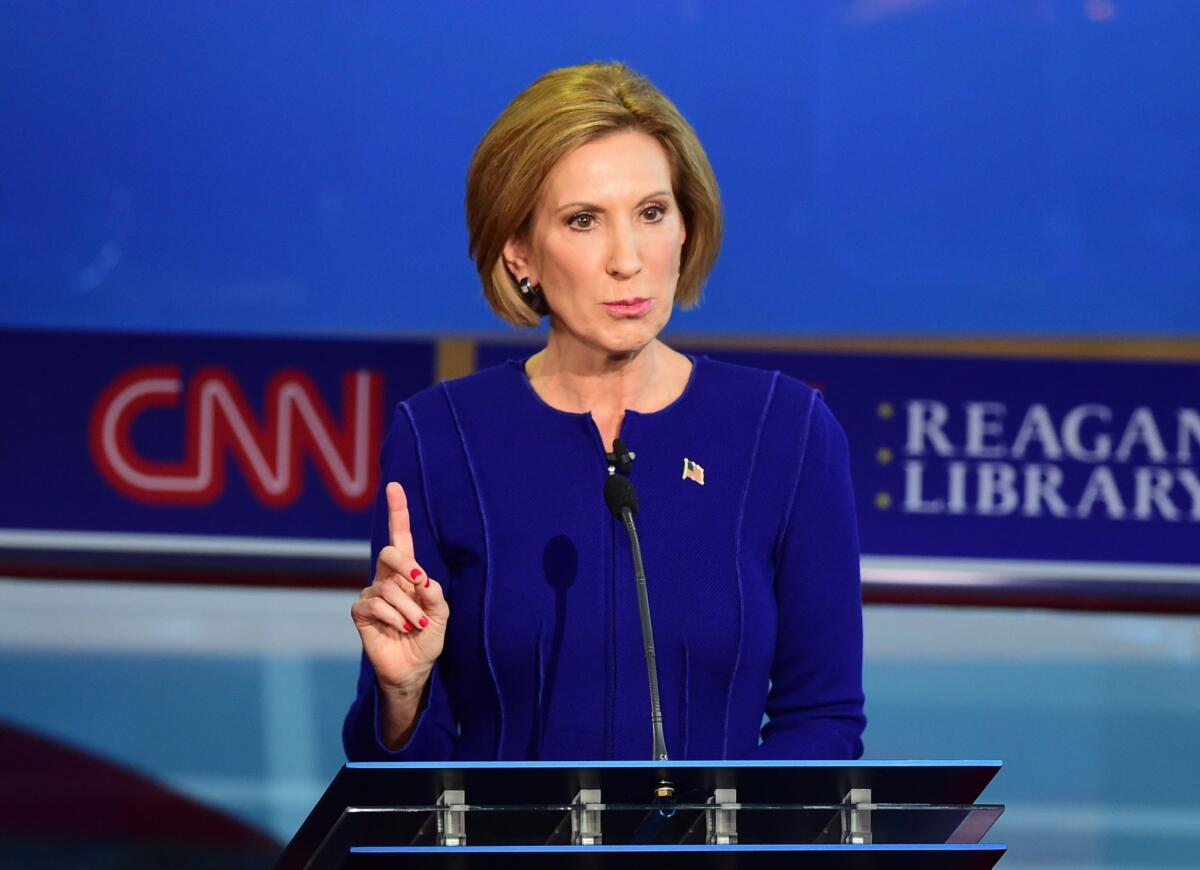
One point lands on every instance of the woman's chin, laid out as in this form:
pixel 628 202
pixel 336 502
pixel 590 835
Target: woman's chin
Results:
pixel 630 335
pixel 629 340
pixel 615 337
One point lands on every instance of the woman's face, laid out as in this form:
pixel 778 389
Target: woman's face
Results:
pixel 605 243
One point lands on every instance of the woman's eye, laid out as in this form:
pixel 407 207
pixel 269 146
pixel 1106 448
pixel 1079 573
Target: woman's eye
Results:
pixel 653 213
pixel 581 221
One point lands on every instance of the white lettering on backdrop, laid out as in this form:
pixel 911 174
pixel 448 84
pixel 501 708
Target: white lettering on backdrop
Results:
pixel 982 460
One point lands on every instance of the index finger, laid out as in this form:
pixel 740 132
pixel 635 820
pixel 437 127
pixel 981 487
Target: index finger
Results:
pixel 399 532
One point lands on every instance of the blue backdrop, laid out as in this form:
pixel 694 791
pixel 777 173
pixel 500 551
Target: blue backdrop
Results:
pixel 275 169
pixel 888 165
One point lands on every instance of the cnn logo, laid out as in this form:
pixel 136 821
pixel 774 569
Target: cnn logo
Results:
pixel 220 424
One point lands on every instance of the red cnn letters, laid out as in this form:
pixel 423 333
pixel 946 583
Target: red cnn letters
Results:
pixel 220 423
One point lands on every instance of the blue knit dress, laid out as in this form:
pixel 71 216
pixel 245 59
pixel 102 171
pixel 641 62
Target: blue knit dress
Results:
pixel 753 575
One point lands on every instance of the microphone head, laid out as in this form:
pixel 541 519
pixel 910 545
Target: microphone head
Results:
pixel 619 494
pixel 622 457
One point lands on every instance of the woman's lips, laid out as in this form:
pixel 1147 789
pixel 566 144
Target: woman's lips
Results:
pixel 629 307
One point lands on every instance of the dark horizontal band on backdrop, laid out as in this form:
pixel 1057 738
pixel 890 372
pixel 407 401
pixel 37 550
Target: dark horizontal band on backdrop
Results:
pixel 308 564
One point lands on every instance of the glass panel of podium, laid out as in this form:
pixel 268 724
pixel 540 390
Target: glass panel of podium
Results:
pixel 832 814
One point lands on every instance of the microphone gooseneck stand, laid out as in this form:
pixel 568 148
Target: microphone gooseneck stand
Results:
pixel 622 501
pixel 626 506
pixel 621 498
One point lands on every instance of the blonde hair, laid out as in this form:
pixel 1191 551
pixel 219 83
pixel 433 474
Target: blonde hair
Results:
pixel 562 110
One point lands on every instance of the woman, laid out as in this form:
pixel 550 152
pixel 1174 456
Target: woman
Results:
pixel 502 620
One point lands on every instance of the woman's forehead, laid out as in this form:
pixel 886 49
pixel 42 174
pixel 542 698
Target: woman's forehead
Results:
pixel 626 165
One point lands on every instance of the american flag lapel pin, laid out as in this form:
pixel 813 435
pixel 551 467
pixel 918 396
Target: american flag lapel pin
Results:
pixel 693 471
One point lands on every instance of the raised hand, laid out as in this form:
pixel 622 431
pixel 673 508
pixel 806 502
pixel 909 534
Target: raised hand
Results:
pixel 401 617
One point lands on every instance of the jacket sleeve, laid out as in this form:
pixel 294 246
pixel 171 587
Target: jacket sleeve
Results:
pixel 434 737
pixel 815 705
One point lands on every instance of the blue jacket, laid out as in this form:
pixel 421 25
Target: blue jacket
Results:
pixel 753 575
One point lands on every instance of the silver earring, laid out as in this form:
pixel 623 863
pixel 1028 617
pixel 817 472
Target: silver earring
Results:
pixel 532 294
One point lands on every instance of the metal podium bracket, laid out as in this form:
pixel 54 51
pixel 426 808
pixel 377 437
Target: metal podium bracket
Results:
pixel 452 821
pixel 586 808
pixel 720 818
pixel 856 817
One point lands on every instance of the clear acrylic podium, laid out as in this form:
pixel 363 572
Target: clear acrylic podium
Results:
pixel 617 814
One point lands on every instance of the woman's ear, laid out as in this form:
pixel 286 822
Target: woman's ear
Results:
pixel 516 258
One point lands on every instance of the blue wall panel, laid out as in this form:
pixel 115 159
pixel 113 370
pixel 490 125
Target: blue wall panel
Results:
pixel 943 167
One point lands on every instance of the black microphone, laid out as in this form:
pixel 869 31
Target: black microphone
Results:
pixel 621 498
pixel 621 458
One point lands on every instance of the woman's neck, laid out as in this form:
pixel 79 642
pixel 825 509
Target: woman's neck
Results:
pixel 579 379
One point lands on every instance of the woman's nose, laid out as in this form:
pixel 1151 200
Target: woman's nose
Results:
pixel 624 260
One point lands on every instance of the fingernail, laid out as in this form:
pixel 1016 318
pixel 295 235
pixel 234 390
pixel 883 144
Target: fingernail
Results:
pixel 408 626
pixel 416 572
pixel 423 621
pixel 426 582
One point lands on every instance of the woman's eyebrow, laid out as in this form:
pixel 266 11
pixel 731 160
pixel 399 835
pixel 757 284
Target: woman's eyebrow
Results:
pixel 591 206
pixel 582 206
pixel 658 194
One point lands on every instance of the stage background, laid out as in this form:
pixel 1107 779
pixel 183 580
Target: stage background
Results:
pixel 967 189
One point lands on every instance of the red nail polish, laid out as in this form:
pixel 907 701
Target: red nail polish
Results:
pixel 426 582
pixel 408 626
pixel 423 621
pixel 416 572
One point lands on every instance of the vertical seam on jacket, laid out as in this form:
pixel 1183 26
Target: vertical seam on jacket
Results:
pixel 787 512
pixel 611 600
pixel 433 530
pixel 487 567
pixel 539 714
pixel 686 693
pixel 737 558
